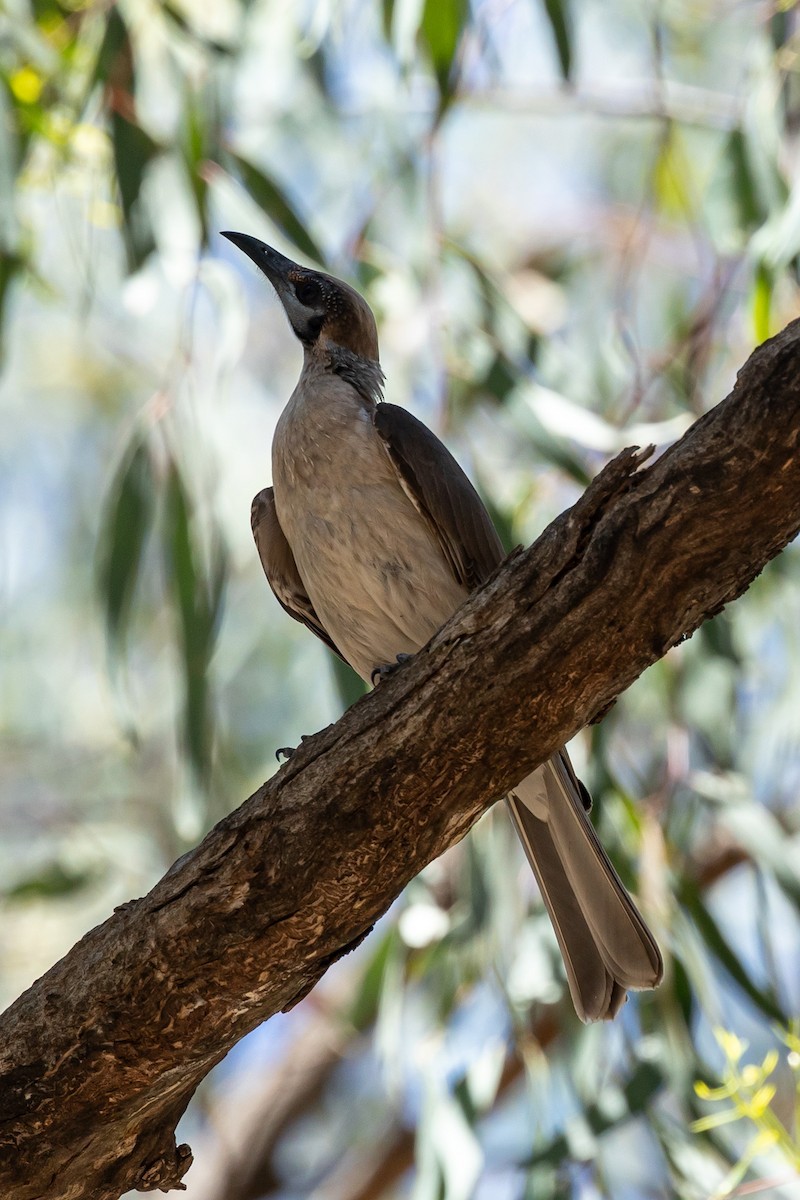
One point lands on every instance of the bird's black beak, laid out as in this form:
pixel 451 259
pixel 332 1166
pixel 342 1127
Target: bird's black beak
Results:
pixel 274 265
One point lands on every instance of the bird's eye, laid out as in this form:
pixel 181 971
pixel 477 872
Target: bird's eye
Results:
pixel 308 292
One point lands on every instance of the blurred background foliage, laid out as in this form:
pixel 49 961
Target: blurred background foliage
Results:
pixel 574 219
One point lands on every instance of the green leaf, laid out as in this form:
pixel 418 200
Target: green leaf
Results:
pixel 741 182
pixel 183 569
pixel 179 20
pixel 682 992
pixel 10 267
pixel 349 685
pixel 197 598
pixel 478 890
pixel 50 882
pixel 134 150
pixel 641 1087
pixel 756 827
pixel 16 135
pixel 560 18
pixel 113 57
pixel 183 578
pixel 442 24
pixel 199 142
pixel 555 450
pixel 672 176
pixel 387 12
pixel 780 25
pixel 763 285
pixel 366 1001
pixel 500 378
pixel 126 522
pixel 711 934
pixel 502 519
pixel 271 198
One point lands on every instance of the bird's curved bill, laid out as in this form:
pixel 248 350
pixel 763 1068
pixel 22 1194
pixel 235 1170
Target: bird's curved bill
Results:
pixel 274 265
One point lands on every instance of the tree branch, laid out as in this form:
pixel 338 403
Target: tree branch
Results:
pixel 101 1056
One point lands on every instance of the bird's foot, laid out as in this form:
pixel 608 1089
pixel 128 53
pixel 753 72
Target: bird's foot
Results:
pixel 287 751
pixel 387 669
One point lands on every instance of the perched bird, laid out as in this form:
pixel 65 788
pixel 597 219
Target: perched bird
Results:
pixel 372 536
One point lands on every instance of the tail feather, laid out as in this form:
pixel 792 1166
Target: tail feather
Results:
pixel 606 944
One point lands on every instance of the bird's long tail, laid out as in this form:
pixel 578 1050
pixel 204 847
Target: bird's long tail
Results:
pixel 606 945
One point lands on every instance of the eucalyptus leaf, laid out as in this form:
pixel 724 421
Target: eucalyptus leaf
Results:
pixel 441 28
pixel 560 18
pixel 724 953
pixel 271 197
pixel 349 685
pixel 134 150
pixel 125 524
pixel 52 881
pixel 196 594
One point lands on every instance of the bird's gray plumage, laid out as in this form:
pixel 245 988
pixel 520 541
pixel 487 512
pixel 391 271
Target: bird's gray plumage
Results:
pixel 371 536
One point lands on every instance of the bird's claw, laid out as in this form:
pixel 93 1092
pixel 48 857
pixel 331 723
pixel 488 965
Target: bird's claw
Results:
pixel 387 669
pixel 287 751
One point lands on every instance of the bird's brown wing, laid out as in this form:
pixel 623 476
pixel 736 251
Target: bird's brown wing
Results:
pixel 281 569
pixel 606 945
pixel 440 490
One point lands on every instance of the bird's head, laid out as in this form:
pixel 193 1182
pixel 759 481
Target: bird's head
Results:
pixel 325 313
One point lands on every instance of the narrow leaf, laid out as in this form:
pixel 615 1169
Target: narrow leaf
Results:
pixel 349 685
pixel 558 14
pixel 134 150
pixel 727 958
pixel 762 303
pixel 387 9
pixel 51 882
pixel 10 266
pixel 272 199
pixel 644 1083
pixel 442 25
pixel 114 47
pixel 364 1008
pixel 743 187
pixel 179 20
pixel 126 522
pixel 197 601
pixel 672 177
pixel 198 144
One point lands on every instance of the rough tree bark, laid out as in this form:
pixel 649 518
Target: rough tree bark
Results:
pixel 100 1057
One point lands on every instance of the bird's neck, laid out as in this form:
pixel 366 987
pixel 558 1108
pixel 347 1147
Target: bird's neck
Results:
pixel 363 374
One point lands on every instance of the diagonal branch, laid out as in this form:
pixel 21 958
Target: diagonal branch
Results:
pixel 100 1057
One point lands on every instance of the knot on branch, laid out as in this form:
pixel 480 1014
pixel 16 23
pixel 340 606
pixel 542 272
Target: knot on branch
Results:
pixel 164 1173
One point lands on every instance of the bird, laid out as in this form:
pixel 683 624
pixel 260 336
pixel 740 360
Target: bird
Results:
pixel 371 536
